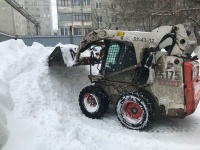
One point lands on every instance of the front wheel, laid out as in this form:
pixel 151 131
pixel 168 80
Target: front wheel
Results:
pixel 134 110
pixel 93 101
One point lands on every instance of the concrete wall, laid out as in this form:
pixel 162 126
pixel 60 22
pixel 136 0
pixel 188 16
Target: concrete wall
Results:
pixel 4 37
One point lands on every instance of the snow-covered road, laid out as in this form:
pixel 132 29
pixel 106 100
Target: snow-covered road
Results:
pixel 42 111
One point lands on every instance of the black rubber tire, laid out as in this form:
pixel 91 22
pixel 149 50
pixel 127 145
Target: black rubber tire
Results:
pixel 141 100
pixel 103 101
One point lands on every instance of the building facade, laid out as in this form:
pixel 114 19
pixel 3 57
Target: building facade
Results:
pixel 11 21
pixel 103 14
pixel 41 10
pixel 74 16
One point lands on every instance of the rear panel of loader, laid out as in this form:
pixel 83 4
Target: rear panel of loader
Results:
pixel 168 86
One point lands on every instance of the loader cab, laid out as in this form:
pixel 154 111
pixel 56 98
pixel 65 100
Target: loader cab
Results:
pixel 118 61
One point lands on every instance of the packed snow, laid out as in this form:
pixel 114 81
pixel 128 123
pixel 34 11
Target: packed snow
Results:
pixel 39 110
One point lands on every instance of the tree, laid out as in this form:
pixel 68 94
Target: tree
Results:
pixel 148 14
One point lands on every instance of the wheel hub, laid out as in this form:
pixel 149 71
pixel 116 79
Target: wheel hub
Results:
pixel 133 110
pixel 90 102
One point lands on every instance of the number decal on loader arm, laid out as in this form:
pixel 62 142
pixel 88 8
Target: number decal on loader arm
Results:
pixel 143 39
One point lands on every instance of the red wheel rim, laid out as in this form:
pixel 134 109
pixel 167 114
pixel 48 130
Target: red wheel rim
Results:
pixel 90 102
pixel 133 110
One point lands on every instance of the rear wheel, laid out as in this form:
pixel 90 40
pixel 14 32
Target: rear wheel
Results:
pixel 134 110
pixel 93 101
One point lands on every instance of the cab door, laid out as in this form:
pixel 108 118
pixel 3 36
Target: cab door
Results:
pixel 119 61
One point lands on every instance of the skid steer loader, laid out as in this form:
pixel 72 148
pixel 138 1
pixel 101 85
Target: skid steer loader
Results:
pixel 141 73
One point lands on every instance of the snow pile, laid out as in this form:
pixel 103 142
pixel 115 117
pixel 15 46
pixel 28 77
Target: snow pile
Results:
pixel 46 116
pixel 5 98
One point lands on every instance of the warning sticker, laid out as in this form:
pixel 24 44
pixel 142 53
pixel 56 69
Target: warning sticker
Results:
pixel 169 83
pixel 120 33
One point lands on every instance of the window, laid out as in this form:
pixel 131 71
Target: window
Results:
pixel 111 56
pixel 87 17
pixel 66 31
pixel 86 2
pixel 63 4
pixel 36 15
pixel 99 19
pixel 79 31
pixel 78 17
pixel 114 19
pixel 46 15
pixel 98 5
pixel 62 32
pixel 46 9
pixel 66 2
pixel 35 3
pixel 65 17
pixel 113 6
pixel 47 21
pixel 120 56
pixel 86 31
pixel 76 2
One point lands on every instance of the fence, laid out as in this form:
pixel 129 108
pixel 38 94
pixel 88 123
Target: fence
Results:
pixel 4 37
pixel 51 40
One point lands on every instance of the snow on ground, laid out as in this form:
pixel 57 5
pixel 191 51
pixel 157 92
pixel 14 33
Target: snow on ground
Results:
pixel 42 111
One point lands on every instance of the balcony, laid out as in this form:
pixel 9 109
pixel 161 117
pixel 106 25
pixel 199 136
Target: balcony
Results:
pixel 74 9
pixel 75 23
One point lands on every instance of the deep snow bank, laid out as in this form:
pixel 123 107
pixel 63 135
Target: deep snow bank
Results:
pixel 35 90
pixel 7 49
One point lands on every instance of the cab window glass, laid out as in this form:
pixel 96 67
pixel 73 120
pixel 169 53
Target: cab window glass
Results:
pixel 120 55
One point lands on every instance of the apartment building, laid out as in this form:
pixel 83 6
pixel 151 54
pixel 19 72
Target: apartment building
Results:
pixel 41 10
pixel 103 14
pixel 11 21
pixel 74 14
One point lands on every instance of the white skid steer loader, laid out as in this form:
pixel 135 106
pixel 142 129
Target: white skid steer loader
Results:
pixel 141 73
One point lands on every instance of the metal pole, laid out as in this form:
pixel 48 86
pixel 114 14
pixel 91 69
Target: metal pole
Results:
pixel 13 18
pixel 82 21
pixel 36 27
pixel 57 18
pixel 72 28
pixel 150 22
pixel 71 36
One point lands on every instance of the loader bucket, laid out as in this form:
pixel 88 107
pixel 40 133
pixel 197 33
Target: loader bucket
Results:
pixel 63 56
pixel 56 59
